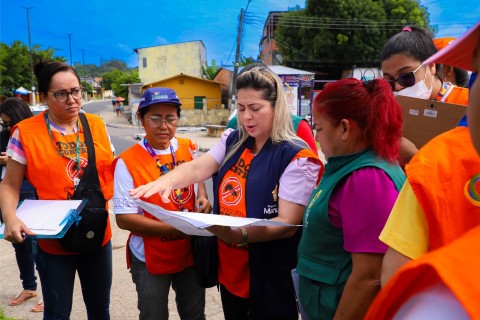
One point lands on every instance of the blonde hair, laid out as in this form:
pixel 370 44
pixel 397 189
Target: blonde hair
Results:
pixel 263 79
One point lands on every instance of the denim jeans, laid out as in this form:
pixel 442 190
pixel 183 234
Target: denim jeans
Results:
pixel 152 291
pixel 23 251
pixel 26 263
pixel 57 276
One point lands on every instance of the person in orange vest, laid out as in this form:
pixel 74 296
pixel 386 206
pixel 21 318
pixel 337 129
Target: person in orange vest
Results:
pixel 454 75
pixel 473 110
pixel 402 65
pixel 428 213
pixel 50 150
pixel 442 284
pixel 158 255
pixel 264 171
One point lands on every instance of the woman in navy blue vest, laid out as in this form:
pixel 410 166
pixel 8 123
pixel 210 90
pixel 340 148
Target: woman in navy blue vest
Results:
pixel 262 170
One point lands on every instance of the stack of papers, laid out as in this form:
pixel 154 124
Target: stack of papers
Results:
pixel 48 218
pixel 194 223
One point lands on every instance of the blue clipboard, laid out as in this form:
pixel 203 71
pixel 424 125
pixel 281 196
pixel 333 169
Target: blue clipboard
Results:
pixel 54 230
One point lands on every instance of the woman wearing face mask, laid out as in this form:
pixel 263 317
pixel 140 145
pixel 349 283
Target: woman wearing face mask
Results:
pixel 439 201
pixel 401 62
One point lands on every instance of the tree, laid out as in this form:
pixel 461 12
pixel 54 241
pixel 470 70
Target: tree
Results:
pixel 87 86
pixel 15 68
pixel 209 72
pixel 339 34
pixel 113 81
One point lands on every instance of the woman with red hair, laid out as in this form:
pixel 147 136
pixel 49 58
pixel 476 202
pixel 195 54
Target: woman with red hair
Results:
pixel 340 257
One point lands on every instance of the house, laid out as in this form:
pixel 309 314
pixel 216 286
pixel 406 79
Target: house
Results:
pixel 225 77
pixel 269 51
pixel 165 61
pixel 200 98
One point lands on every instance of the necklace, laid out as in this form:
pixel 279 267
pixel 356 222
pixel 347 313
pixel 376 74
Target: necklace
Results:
pixel 77 178
pixel 163 168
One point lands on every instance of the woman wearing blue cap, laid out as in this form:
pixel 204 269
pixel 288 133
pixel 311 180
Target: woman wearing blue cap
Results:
pixel 159 256
pixel 262 170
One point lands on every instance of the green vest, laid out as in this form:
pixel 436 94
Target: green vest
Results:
pixel 295 119
pixel 323 265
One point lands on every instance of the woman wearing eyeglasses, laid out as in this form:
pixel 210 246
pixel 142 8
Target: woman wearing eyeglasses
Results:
pixel 50 150
pixel 401 63
pixel 159 256
pixel 262 170
pixel 435 205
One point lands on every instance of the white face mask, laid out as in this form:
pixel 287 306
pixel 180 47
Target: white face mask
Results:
pixel 418 90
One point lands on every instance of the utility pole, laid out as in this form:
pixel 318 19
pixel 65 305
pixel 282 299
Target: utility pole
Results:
pixel 237 57
pixel 84 73
pixel 33 98
pixel 70 44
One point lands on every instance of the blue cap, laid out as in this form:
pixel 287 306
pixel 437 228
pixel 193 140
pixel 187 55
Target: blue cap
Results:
pixel 159 96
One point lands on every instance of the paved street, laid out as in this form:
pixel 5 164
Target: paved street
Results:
pixel 123 296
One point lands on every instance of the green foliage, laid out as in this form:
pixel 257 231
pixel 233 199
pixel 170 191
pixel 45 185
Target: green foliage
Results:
pixel 3 316
pixel 87 86
pixel 209 72
pixel 343 33
pixel 245 61
pixel 15 69
pixel 113 80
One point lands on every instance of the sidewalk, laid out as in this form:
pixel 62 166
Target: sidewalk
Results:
pixel 123 304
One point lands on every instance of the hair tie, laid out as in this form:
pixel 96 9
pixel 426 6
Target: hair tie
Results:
pixel 406 29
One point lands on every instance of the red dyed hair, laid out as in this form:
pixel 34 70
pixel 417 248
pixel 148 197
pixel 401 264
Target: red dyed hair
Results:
pixel 371 105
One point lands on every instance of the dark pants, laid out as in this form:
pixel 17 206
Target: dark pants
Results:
pixel 23 251
pixel 57 276
pixel 26 263
pixel 152 291
pixel 234 307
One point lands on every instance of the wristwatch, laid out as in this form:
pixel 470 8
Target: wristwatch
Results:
pixel 244 237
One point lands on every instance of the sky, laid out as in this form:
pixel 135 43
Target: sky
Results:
pixel 100 30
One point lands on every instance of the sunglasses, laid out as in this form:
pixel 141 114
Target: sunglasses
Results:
pixel 405 80
pixel 7 124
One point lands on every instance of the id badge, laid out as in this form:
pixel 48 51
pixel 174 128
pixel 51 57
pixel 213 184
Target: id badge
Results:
pixel 76 181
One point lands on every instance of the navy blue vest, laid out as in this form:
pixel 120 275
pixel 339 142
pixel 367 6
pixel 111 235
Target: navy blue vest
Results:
pixel 272 294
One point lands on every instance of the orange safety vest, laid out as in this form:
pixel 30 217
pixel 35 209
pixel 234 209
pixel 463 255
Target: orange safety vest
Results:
pixel 163 254
pixel 458 95
pixel 441 175
pixel 455 265
pixel 52 175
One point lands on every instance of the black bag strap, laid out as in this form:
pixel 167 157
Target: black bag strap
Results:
pixel 90 173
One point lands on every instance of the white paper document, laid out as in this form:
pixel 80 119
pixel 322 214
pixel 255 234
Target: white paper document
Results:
pixel 47 218
pixel 194 223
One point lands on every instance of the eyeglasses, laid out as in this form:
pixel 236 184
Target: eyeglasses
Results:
pixel 7 124
pixel 156 121
pixel 62 95
pixel 405 80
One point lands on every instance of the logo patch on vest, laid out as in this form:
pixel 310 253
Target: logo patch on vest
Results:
pixel 186 195
pixel 72 168
pixel 472 190
pixel 231 191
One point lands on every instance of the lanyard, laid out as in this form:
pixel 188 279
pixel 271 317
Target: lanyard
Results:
pixel 163 168
pixel 77 148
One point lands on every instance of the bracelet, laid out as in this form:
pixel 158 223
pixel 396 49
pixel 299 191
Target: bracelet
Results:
pixel 244 237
